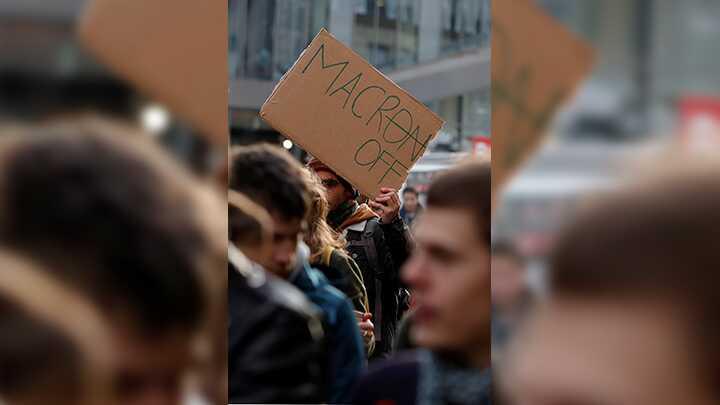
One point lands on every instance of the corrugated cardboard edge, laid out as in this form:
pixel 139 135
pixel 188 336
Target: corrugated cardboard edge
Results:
pixel 84 28
pixel 286 133
pixel 282 79
pixel 578 43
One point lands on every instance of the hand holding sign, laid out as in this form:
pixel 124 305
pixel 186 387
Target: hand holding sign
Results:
pixel 386 204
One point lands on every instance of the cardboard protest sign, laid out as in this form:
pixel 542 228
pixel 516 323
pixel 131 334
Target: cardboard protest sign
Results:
pixel 536 65
pixel 343 111
pixel 173 50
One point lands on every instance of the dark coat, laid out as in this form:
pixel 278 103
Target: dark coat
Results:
pixel 380 250
pixel 393 380
pixel 397 381
pixel 275 343
pixel 345 352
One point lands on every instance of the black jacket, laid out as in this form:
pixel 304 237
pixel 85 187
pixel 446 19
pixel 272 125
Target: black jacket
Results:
pixel 275 341
pixel 380 250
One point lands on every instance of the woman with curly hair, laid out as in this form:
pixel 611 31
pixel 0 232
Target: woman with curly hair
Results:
pixel 327 254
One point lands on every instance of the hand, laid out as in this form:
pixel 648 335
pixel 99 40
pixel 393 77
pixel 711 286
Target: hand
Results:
pixel 387 205
pixel 367 329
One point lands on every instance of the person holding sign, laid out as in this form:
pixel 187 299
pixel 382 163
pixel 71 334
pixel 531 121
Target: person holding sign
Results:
pixel 378 240
pixel 327 254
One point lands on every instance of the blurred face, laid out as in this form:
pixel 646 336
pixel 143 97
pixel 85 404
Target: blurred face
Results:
pixel 410 202
pixel 150 372
pixel 336 192
pixel 508 280
pixel 449 273
pixel 585 352
pixel 286 234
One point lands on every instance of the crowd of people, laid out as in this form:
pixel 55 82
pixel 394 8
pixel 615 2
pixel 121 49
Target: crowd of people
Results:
pixel 320 281
pixel 112 289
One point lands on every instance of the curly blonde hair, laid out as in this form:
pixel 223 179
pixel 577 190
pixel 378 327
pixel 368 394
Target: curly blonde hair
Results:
pixel 319 236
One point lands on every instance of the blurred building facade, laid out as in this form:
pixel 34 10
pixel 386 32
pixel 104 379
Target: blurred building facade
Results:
pixel 438 50
pixel 651 55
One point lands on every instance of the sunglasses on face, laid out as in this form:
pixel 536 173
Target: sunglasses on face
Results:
pixel 330 183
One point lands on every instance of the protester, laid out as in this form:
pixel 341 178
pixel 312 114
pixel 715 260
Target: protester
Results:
pixel 411 206
pixel 47 356
pixel 271 178
pixel 327 254
pixel 110 215
pixel 275 335
pixel 379 243
pixel 327 249
pixel 632 316
pixel 511 296
pixel 449 273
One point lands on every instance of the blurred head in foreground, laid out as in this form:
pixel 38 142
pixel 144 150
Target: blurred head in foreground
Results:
pixel 112 216
pixel 249 227
pixel 633 314
pixel 449 270
pixel 47 356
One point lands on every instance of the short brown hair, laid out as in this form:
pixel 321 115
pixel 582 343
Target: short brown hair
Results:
pixel 270 177
pixel 466 186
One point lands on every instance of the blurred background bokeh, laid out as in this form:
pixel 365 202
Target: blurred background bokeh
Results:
pixel 46 74
pixel 438 50
pixel 654 87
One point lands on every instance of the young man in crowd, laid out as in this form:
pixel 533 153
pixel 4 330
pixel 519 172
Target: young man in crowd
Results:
pixel 107 213
pixel 272 179
pixel 449 273
pixel 411 206
pixel 378 241
pixel 275 350
pixel 632 316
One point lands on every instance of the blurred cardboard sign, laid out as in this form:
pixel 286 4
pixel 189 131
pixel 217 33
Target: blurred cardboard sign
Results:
pixel 175 51
pixel 343 111
pixel 700 122
pixel 536 65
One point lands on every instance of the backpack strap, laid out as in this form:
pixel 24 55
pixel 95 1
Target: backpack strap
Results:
pixel 367 243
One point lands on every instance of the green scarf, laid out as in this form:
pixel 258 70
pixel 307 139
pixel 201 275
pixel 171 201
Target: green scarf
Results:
pixel 337 216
